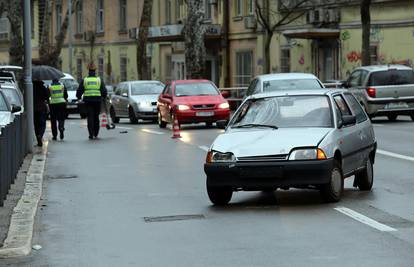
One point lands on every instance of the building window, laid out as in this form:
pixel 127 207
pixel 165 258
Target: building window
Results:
pixel 178 4
pixel 101 67
pixel 79 70
pixel 4 28
pixel 100 16
pixel 123 68
pixel 58 15
pixel 207 10
pixel 250 7
pixel 244 68
pixel 373 53
pixel 239 8
pixel 285 60
pixel 122 15
pixel 79 17
pixel 168 12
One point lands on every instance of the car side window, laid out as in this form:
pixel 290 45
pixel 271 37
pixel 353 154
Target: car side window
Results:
pixel 118 90
pixel 164 91
pixel 342 106
pixel 169 91
pixel 364 74
pixel 356 108
pixel 252 87
pixel 355 79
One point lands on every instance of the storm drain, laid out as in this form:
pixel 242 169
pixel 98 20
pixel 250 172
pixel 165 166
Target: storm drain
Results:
pixel 174 218
pixel 63 176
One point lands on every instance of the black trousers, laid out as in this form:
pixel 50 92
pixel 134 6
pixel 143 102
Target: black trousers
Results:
pixel 57 117
pixel 93 110
pixel 39 123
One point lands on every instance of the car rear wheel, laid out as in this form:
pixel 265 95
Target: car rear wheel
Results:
pixel 162 124
pixel 365 179
pixel 219 195
pixel 392 117
pixel 332 191
pixel 209 124
pixel 132 117
pixel 113 116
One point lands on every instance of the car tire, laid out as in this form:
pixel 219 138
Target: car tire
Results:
pixel 219 196
pixel 365 178
pixel 209 124
pixel 162 124
pixel 332 191
pixel 132 117
pixel 392 117
pixel 83 116
pixel 412 117
pixel 113 116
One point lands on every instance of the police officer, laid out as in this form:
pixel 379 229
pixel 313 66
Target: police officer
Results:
pixel 57 106
pixel 93 90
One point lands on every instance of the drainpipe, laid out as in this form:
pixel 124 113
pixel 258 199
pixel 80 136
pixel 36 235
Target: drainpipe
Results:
pixel 226 29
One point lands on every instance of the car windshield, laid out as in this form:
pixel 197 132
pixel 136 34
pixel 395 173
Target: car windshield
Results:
pixel 192 89
pixel 12 96
pixel 391 77
pixel 146 88
pixel 70 85
pixel 285 112
pixel 3 104
pixel 290 84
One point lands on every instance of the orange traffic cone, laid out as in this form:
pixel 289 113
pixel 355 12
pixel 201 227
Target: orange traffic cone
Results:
pixel 104 120
pixel 176 129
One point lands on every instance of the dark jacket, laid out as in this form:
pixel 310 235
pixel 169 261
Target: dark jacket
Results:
pixel 65 91
pixel 40 96
pixel 81 90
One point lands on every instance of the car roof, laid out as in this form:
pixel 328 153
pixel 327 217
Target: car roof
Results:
pixel 286 76
pixel 142 81
pixel 68 76
pixel 373 68
pixel 192 81
pixel 324 91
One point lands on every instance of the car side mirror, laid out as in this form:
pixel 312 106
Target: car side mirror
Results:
pixel 16 109
pixel 222 124
pixel 225 94
pixel 347 120
pixel 124 95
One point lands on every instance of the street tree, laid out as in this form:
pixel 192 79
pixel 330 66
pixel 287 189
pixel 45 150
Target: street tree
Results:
pixel 270 18
pixel 144 71
pixel 194 31
pixel 366 31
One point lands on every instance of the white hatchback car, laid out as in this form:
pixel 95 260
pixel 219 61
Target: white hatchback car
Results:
pixel 283 81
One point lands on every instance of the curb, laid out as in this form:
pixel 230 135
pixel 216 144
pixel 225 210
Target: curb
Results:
pixel 19 237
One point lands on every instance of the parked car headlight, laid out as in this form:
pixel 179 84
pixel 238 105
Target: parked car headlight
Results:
pixel 307 154
pixel 183 107
pixel 224 105
pixel 215 156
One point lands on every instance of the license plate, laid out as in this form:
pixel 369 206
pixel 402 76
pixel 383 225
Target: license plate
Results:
pixel 204 114
pixel 71 106
pixel 396 105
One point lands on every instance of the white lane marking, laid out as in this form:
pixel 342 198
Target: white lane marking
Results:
pixel 394 155
pixel 152 132
pixel 365 220
pixel 124 128
pixel 205 148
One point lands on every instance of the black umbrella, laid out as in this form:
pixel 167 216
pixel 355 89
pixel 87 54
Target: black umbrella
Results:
pixel 43 72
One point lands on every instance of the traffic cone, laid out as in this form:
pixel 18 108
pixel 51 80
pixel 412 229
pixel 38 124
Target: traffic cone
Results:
pixel 104 120
pixel 176 129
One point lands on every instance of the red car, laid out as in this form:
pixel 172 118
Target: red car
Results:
pixel 191 101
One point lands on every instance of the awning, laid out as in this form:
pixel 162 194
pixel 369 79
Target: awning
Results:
pixel 312 33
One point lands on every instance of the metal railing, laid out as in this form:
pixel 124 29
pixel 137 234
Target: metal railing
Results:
pixel 13 149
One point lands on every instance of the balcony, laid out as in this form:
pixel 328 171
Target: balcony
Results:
pixel 174 33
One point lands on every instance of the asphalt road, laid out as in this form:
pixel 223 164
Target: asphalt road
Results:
pixel 136 197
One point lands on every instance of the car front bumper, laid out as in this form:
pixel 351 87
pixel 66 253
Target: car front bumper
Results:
pixel 149 113
pixel 260 175
pixel 194 116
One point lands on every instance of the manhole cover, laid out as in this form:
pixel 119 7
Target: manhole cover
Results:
pixel 64 176
pixel 174 218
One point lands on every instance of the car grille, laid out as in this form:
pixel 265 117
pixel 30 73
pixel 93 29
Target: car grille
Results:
pixel 263 158
pixel 204 106
pixel 74 100
pixel 154 103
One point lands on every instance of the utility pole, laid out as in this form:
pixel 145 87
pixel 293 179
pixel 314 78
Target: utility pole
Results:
pixel 70 36
pixel 27 39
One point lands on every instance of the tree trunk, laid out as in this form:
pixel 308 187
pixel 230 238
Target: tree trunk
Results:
pixel 195 50
pixel 44 42
pixel 268 41
pixel 366 30
pixel 144 71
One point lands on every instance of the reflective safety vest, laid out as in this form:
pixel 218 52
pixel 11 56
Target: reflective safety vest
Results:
pixel 56 94
pixel 92 86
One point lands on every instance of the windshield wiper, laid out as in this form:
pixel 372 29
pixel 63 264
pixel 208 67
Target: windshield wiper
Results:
pixel 250 125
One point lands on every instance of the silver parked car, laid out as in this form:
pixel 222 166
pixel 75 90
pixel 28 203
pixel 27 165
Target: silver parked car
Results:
pixel 384 90
pixel 7 110
pixel 13 95
pixel 302 139
pixel 283 81
pixel 136 100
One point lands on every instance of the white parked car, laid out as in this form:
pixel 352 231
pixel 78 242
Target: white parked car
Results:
pixel 7 110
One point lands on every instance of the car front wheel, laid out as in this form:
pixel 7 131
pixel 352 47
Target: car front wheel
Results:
pixel 113 116
pixel 219 195
pixel 132 117
pixel 365 179
pixel 392 117
pixel 412 117
pixel 332 191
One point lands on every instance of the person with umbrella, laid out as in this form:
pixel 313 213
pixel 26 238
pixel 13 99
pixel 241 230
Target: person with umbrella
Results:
pixel 57 104
pixel 93 90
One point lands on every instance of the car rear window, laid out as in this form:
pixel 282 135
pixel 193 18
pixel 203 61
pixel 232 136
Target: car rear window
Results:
pixel 70 85
pixel 391 77
pixel 146 88
pixel 290 84
pixel 192 89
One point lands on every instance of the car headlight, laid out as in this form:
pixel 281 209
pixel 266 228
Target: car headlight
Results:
pixel 224 105
pixel 307 154
pixel 183 107
pixel 144 104
pixel 215 156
